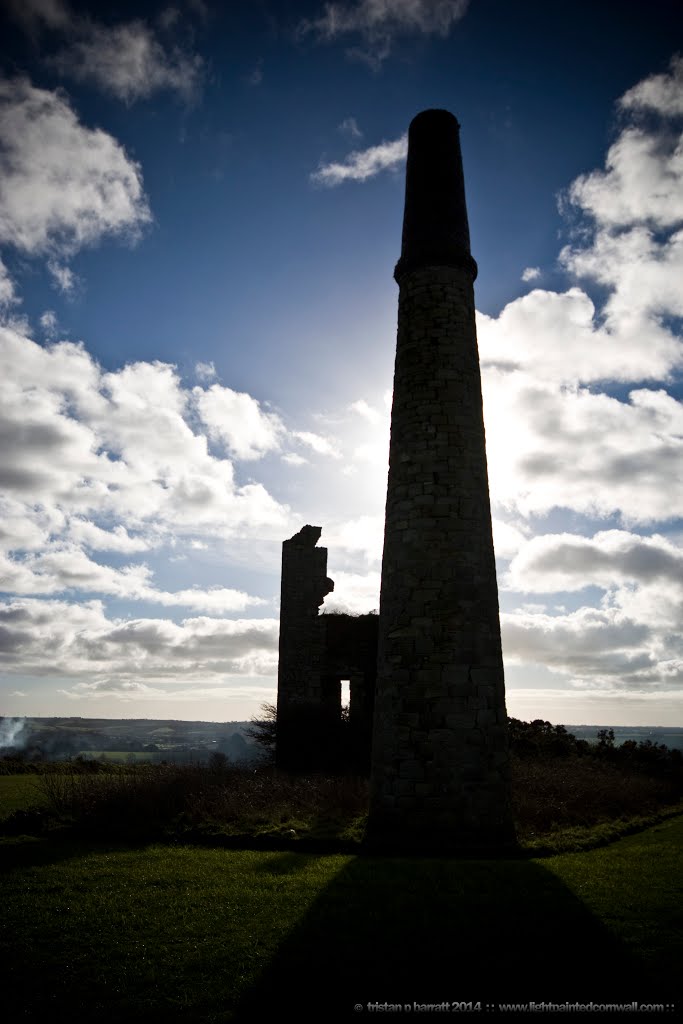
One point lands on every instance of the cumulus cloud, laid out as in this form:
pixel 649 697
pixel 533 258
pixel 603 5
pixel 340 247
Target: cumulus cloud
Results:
pixel 362 164
pixel 69 568
pixel 64 186
pixel 561 337
pixel 364 534
pixel 354 593
pixel 583 415
pixel 63 277
pixel 558 433
pixel 128 59
pixel 591 646
pixel 48 321
pixel 550 447
pixel 566 562
pixel 640 184
pixel 89 535
pixel 643 274
pixel 320 445
pixel 531 273
pixel 78 641
pixel 368 412
pixel 7 291
pixel 379 22
pixel 632 640
pixel 661 93
pixel 238 421
pixel 112 458
pixel 507 538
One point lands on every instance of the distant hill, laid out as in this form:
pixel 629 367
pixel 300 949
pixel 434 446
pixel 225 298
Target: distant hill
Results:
pixel 125 738
pixel 670 736
pixel 175 740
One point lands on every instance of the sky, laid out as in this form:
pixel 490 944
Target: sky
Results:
pixel 200 212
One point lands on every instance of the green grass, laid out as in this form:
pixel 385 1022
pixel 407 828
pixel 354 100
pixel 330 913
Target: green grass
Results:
pixel 19 793
pixel 635 887
pixel 184 933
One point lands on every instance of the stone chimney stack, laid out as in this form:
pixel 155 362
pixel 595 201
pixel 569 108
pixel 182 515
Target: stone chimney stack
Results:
pixel 440 773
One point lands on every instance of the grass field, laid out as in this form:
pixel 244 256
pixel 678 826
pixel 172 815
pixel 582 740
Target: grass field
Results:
pixel 18 793
pixel 104 933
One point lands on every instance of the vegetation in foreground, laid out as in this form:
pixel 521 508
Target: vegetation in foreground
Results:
pixel 151 933
pixel 567 794
pixel 101 921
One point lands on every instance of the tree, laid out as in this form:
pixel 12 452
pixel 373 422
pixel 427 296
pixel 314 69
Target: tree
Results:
pixel 263 730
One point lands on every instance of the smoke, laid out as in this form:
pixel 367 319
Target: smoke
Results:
pixel 11 730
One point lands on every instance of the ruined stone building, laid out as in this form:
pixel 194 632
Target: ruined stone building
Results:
pixel 439 771
pixel 317 652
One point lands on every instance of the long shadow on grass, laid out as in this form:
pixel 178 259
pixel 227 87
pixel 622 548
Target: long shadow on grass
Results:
pixel 432 931
pixel 38 851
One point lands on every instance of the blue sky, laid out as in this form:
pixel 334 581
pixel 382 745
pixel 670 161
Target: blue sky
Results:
pixel 200 212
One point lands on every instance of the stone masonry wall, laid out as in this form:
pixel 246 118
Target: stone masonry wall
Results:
pixel 304 584
pixel 440 764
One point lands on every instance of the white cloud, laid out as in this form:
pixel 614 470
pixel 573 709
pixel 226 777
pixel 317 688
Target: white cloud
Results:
pixel 566 562
pixel 48 321
pixel 118 448
pixel 25 528
pixel 292 459
pixel 364 534
pixel 89 535
pixel 561 436
pixel 596 648
pixel 237 420
pixel 7 292
pixel 632 641
pixel 642 182
pixel 349 128
pixel 662 93
pixel 67 568
pixel 320 445
pixel 204 371
pixel 65 186
pixel 556 436
pixel 369 413
pixel 362 164
pixel 354 593
pixel 550 447
pixel 379 22
pixel 531 273
pixel 63 276
pixel 561 337
pixel 507 539
pixel 644 275
pixel 127 59
pixel 125 656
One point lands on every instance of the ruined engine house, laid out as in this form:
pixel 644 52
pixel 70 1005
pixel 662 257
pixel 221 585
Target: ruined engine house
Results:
pixel 317 652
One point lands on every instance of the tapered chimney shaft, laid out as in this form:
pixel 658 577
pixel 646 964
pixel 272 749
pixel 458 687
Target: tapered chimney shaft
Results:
pixel 435 228
pixel 440 777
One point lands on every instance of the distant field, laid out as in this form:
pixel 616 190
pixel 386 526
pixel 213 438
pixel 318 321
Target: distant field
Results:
pixel 163 933
pixel 122 756
pixel 18 793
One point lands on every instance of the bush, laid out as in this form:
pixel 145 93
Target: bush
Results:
pixel 156 800
pixel 558 782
